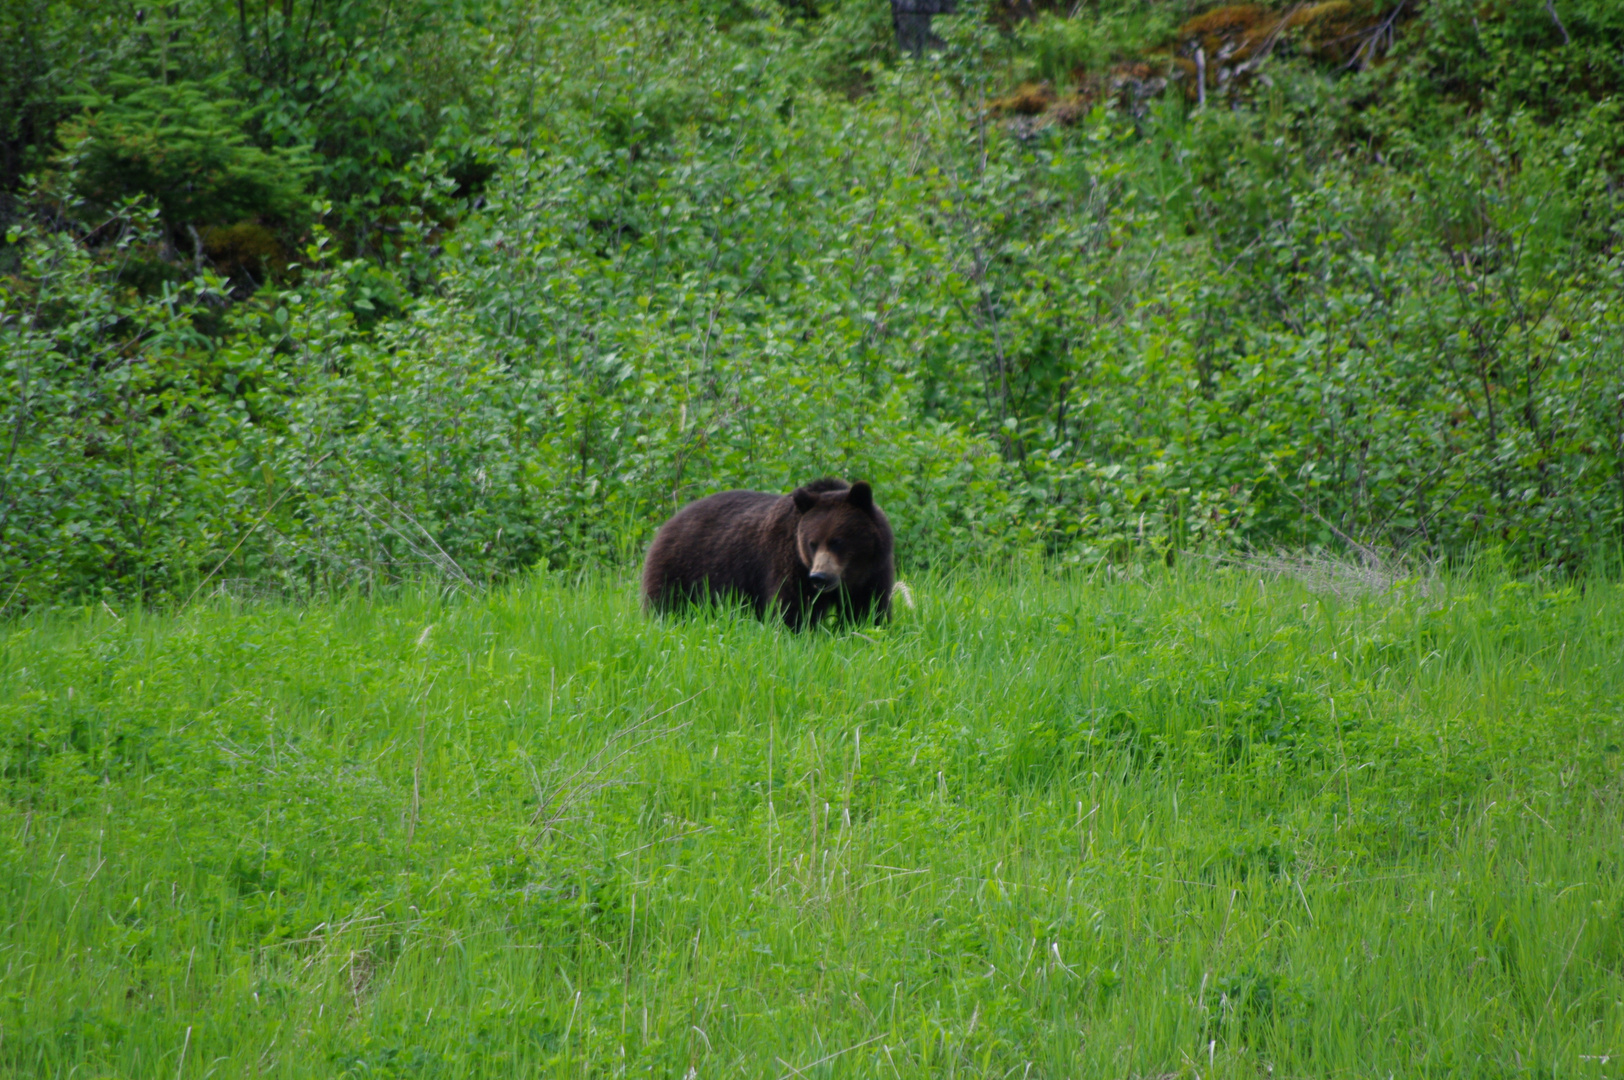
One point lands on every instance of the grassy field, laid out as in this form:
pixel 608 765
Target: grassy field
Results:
pixel 1198 823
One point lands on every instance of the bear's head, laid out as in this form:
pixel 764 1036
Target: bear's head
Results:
pixel 840 536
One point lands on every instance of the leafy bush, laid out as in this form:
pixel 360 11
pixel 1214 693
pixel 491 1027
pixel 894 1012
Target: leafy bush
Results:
pixel 112 413
pixel 675 264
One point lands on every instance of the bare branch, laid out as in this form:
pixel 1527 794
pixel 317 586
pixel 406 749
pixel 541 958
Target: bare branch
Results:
pixel 1550 9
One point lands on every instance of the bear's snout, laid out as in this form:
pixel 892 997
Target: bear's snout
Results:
pixel 826 571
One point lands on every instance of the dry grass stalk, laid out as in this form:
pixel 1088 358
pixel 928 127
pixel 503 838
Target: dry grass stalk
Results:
pixel 1368 573
pixel 555 800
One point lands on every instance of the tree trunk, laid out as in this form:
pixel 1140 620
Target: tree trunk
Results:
pixel 911 18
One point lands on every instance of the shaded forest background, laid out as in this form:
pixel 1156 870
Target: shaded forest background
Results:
pixel 311 294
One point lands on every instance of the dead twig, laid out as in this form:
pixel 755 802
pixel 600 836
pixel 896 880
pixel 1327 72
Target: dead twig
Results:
pixel 1269 43
pixel 1366 52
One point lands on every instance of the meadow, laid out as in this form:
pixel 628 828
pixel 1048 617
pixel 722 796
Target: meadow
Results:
pixel 1207 821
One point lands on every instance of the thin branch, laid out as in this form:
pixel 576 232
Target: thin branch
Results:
pixel 448 566
pixel 1268 44
pixel 1550 9
pixel 1366 51
pixel 285 493
pixel 430 538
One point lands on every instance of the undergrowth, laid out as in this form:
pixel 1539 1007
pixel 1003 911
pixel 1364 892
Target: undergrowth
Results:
pixel 532 275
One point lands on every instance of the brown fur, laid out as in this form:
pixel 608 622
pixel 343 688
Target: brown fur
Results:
pixel 765 549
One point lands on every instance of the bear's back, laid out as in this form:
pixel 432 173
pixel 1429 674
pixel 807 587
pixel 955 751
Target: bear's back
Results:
pixel 720 546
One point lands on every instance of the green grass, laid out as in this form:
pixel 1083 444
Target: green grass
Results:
pixel 1199 823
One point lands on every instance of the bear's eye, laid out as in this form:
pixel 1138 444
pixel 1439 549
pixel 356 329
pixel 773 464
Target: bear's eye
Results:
pixel 835 547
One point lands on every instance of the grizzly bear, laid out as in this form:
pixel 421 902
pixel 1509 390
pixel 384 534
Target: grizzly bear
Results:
pixel 822 548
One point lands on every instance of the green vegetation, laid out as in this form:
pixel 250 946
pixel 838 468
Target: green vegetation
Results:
pixel 1192 822
pixel 184 147
pixel 325 296
pixel 409 321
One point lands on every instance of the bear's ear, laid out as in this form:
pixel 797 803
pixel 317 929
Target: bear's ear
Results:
pixel 804 499
pixel 861 495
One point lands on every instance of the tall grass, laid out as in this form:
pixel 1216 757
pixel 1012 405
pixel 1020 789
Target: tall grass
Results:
pixel 1203 822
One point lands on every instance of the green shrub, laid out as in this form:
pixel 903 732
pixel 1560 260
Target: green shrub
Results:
pixel 676 263
pixel 183 145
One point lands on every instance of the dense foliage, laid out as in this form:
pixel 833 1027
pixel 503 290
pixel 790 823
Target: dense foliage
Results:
pixel 320 294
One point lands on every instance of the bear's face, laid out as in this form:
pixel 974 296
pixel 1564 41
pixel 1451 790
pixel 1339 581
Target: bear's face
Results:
pixel 839 537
